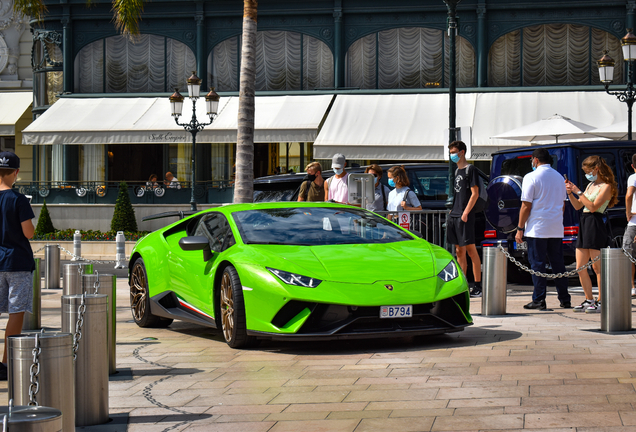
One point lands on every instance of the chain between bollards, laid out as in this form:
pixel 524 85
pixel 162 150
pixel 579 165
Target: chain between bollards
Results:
pixel 77 336
pixel 34 387
pixel 547 275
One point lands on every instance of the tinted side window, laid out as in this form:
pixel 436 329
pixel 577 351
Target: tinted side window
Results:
pixel 430 185
pixel 626 162
pixel 521 165
pixel 217 230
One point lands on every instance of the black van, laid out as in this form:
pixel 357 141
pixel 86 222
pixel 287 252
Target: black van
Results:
pixel 506 177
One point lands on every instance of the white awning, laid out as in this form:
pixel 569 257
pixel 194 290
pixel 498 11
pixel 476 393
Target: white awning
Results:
pixel 148 121
pixel 414 127
pixel 12 107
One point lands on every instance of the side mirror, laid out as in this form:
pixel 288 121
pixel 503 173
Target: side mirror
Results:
pixel 416 233
pixel 195 243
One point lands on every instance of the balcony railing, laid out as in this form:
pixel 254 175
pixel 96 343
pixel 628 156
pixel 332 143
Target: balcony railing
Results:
pixel 70 192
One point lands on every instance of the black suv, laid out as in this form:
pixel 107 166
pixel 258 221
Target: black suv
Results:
pixel 504 190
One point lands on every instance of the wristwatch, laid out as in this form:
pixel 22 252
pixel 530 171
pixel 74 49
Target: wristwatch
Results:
pixel 520 229
pixel 580 192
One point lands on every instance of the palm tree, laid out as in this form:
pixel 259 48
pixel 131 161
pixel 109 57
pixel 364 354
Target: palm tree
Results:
pixel 127 13
pixel 244 186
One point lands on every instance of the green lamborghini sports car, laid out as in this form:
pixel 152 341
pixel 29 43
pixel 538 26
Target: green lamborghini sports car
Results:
pixel 302 271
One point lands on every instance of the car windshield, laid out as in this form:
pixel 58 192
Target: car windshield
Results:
pixel 314 226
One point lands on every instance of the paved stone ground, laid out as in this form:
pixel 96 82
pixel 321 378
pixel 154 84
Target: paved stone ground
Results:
pixel 528 370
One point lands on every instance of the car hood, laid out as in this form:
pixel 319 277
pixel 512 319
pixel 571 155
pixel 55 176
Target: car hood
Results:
pixel 359 263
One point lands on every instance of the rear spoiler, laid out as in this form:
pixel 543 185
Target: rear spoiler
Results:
pixel 179 214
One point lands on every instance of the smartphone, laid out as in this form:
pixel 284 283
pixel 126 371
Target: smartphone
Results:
pixel 565 176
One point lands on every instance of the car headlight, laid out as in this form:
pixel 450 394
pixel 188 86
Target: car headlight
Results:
pixel 449 272
pixel 295 279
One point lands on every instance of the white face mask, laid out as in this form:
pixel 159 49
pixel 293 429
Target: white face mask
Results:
pixel 338 171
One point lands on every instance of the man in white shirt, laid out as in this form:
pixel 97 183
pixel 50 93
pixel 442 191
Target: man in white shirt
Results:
pixel 630 210
pixel 171 181
pixel 541 218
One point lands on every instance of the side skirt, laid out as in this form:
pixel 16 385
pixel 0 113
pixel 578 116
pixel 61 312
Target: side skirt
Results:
pixel 168 305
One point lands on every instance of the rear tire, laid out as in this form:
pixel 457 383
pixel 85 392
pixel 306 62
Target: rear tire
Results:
pixel 232 307
pixel 140 299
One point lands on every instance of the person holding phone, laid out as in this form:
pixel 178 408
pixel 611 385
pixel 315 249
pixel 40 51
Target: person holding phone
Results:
pixel 600 193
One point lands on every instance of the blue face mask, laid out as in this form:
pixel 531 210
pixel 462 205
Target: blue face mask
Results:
pixel 391 182
pixel 338 171
pixel 591 177
pixel 454 157
pixel 534 168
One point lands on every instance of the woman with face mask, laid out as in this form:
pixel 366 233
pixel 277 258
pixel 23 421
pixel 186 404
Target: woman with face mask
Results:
pixel 401 198
pixel 600 193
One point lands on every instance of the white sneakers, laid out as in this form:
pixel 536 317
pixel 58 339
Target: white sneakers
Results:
pixel 633 292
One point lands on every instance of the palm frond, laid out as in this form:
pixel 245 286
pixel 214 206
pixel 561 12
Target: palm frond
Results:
pixel 33 8
pixel 127 16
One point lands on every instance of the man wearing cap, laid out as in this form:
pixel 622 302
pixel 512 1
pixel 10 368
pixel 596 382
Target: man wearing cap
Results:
pixel 16 255
pixel 336 188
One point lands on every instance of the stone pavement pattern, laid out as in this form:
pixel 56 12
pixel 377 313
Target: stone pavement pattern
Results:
pixel 529 370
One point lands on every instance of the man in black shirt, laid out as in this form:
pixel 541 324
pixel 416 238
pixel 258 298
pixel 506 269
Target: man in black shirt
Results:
pixel 460 226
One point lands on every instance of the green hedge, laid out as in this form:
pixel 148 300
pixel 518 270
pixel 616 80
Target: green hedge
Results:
pixel 90 235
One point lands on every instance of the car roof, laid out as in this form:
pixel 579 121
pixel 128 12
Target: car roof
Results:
pixel 581 145
pixel 232 208
pixel 297 177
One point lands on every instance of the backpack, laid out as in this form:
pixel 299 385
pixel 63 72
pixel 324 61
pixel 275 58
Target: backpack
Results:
pixel 482 201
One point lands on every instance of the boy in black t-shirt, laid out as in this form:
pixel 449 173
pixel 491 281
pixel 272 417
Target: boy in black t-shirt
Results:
pixel 16 255
pixel 460 226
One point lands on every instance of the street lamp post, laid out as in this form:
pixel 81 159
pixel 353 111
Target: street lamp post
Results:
pixel 606 75
pixel 452 93
pixel 194 127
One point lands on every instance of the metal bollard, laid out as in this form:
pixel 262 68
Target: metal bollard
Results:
pixel 30 418
pixel 77 246
pixel 33 320
pixel 616 298
pixel 120 240
pixel 102 283
pixel 91 365
pixel 56 379
pixel 72 277
pixel 495 277
pixel 52 267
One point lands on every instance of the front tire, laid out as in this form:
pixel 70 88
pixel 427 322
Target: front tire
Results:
pixel 140 299
pixel 232 308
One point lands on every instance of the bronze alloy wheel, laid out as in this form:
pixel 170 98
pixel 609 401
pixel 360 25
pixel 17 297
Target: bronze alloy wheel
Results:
pixel 227 307
pixel 140 300
pixel 138 291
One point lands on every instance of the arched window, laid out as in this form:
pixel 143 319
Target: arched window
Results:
pixel 408 57
pixel 284 61
pixel 552 54
pixel 118 65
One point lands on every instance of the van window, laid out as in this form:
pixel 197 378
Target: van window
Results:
pixel 626 160
pixel 521 165
pixel 430 185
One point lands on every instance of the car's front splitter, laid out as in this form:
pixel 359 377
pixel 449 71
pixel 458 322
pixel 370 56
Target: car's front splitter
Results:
pixel 333 321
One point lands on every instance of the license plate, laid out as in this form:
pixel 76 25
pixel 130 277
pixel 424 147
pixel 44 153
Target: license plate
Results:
pixel 405 311
pixel 521 246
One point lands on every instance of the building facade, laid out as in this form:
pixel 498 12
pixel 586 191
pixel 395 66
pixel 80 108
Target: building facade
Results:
pixel 319 47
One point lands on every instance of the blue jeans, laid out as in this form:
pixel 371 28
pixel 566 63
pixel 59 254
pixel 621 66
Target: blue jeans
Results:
pixel 542 251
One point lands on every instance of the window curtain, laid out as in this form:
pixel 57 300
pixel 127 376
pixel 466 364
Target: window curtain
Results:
pixel 133 67
pixel 278 62
pixel 222 161
pixel 464 60
pixel 552 54
pixel 184 159
pixel 318 67
pixel 57 163
pixel 408 57
pixel 223 65
pixel 361 63
pixel 93 163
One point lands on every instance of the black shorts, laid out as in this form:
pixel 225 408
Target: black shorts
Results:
pixel 460 233
pixel 592 232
